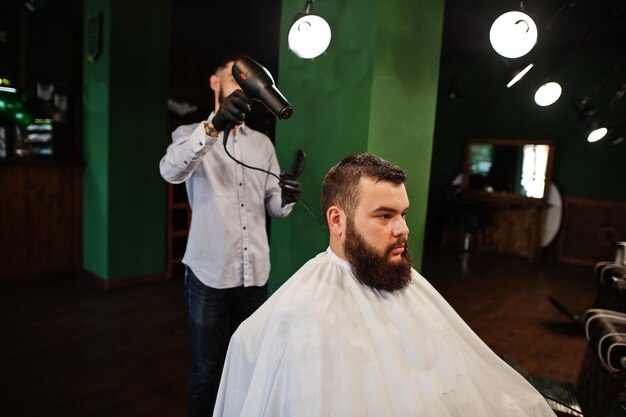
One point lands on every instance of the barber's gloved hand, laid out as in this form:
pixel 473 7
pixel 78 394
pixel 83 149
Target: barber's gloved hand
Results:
pixel 290 188
pixel 233 110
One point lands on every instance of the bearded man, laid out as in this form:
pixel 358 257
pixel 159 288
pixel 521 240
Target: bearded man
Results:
pixel 358 332
pixel 226 260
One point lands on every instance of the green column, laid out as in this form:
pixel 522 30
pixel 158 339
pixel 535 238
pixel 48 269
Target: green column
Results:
pixel 374 90
pixel 125 130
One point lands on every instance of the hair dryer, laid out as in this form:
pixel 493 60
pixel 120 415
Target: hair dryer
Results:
pixel 258 84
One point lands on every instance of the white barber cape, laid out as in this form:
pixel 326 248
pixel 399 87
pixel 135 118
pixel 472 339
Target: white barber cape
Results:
pixel 326 345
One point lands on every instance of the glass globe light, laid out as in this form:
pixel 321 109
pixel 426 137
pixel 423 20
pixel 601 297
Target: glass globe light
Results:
pixel 597 134
pixel 513 34
pixel 309 36
pixel 548 94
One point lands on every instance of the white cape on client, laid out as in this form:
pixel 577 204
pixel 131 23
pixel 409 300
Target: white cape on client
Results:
pixel 326 345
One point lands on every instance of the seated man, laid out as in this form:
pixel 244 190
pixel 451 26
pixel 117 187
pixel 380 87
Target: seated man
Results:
pixel 358 332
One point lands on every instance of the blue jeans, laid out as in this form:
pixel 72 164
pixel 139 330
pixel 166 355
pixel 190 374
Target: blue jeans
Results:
pixel 208 309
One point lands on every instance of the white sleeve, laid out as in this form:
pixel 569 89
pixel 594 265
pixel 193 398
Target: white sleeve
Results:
pixel 189 144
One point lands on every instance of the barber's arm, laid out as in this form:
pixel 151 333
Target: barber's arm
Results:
pixel 280 196
pixel 190 143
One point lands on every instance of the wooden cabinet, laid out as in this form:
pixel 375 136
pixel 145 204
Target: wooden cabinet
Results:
pixel 590 229
pixel 178 220
pixel 505 224
pixel 515 228
pixel 40 218
pixel 502 202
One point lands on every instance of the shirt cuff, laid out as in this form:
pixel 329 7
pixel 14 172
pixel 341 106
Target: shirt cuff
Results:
pixel 201 142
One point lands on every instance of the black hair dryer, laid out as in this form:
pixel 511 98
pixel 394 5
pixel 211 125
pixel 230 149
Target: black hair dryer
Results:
pixel 258 84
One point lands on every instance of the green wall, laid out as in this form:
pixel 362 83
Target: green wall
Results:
pixel 490 110
pixel 374 90
pixel 125 127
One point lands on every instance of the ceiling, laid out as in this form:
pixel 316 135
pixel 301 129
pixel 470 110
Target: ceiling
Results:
pixel 214 31
pixel 567 29
pixel 253 27
pixel 561 23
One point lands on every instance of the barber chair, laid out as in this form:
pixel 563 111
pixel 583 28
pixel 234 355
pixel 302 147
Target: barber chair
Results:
pixel 602 373
pixel 611 281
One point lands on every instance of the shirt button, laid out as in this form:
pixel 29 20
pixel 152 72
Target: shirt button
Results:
pixel 245 248
pixel 200 143
pixel 244 228
pixel 185 162
pixel 241 204
pixel 240 184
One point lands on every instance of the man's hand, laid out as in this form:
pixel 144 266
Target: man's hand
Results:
pixel 290 188
pixel 233 110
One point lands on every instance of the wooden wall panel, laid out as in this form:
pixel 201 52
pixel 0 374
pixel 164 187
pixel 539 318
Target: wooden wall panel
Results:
pixel 589 230
pixel 40 218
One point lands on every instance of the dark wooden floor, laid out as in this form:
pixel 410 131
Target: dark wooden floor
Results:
pixel 69 349
pixel 504 300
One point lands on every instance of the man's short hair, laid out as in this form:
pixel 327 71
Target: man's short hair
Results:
pixel 228 58
pixel 341 184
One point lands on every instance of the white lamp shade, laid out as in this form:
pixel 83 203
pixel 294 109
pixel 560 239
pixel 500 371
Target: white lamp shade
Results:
pixel 597 134
pixel 513 34
pixel 309 36
pixel 548 94
pixel 515 78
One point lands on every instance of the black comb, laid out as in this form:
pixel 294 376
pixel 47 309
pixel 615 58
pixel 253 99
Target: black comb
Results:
pixel 298 164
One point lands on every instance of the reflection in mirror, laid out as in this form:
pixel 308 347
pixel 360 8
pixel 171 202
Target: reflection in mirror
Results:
pixel 516 167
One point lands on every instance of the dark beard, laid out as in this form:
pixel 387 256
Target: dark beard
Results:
pixel 372 269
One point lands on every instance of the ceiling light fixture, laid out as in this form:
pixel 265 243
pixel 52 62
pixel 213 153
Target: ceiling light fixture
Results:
pixel 583 107
pixel 516 72
pixel 553 90
pixel 548 94
pixel 597 134
pixel 309 35
pixel 513 34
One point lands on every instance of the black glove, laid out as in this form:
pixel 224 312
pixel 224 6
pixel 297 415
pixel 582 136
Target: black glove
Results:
pixel 290 189
pixel 233 110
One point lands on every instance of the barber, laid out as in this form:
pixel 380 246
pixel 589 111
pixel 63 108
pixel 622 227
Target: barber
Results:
pixel 227 255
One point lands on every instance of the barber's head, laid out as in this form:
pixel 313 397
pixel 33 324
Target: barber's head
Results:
pixel 222 81
pixel 365 202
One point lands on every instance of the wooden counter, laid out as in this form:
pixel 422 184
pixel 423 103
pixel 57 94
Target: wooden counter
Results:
pixel 40 217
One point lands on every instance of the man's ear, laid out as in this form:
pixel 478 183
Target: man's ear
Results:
pixel 336 219
pixel 214 83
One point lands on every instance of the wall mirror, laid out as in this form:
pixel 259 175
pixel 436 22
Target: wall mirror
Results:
pixel 512 168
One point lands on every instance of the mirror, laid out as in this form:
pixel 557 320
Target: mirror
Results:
pixel 509 167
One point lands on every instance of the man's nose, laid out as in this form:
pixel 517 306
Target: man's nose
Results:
pixel 400 228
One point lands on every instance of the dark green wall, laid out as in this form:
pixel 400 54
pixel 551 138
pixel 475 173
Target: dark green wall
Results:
pixel 490 110
pixel 96 78
pixel 373 90
pixel 125 129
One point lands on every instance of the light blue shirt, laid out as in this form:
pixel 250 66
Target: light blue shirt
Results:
pixel 227 244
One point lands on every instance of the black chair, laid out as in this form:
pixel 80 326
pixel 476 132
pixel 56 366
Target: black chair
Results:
pixel 602 373
pixel 611 287
pixel 469 215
